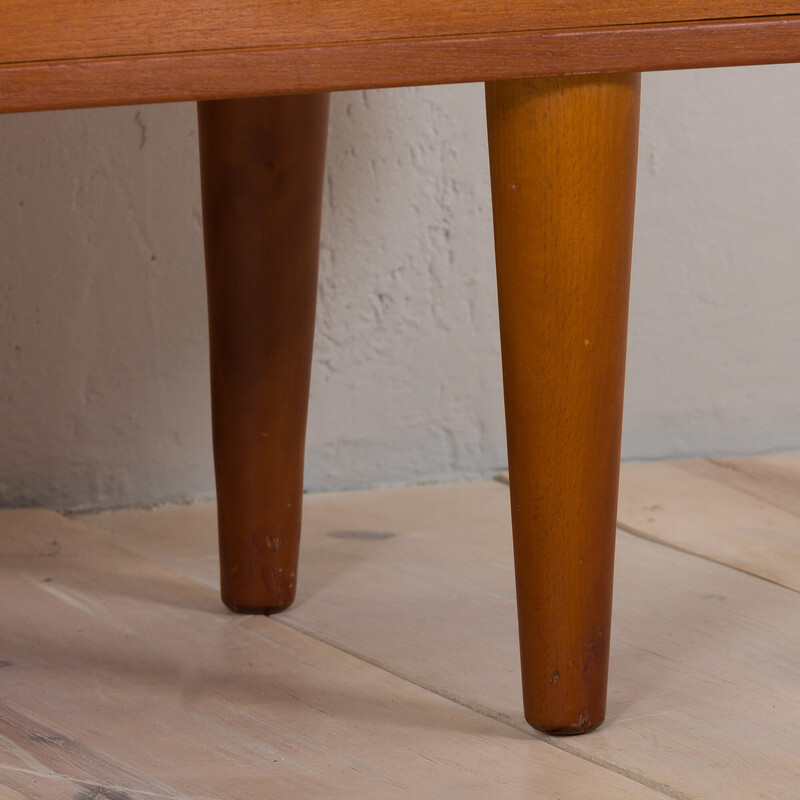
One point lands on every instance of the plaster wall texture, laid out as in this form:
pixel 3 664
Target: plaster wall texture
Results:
pixel 103 339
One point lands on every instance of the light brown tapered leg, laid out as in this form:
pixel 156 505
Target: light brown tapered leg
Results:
pixel 563 165
pixel 262 163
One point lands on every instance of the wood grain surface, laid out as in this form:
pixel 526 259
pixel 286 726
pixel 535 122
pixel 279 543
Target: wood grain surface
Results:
pixel 262 168
pixel 563 156
pixel 742 512
pixel 704 691
pixel 66 29
pixel 122 680
pixel 201 74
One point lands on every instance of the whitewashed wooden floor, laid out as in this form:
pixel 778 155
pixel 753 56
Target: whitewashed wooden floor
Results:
pixel 395 674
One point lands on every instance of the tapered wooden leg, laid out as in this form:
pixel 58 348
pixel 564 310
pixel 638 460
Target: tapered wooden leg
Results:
pixel 563 169
pixel 262 163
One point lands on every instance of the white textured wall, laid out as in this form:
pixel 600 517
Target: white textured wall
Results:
pixel 714 341
pixel 103 365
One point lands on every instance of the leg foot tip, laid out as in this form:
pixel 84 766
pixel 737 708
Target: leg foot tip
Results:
pixel 257 609
pixel 582 726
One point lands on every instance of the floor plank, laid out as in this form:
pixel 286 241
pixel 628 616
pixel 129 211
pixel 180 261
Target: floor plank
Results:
pixel 124 680
pixel 9 794
pixel 742 512
pixel 704 693
pixel 774 479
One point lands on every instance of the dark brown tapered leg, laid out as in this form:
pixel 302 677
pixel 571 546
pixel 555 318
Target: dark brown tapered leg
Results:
pixel 262 163
pixel 563 163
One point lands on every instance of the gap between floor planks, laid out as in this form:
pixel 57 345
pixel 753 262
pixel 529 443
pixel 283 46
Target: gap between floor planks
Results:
pixel 124 680
pixel 744 513
pixel 702 656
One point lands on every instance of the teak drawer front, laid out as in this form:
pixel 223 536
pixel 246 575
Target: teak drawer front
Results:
pixel 68 29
